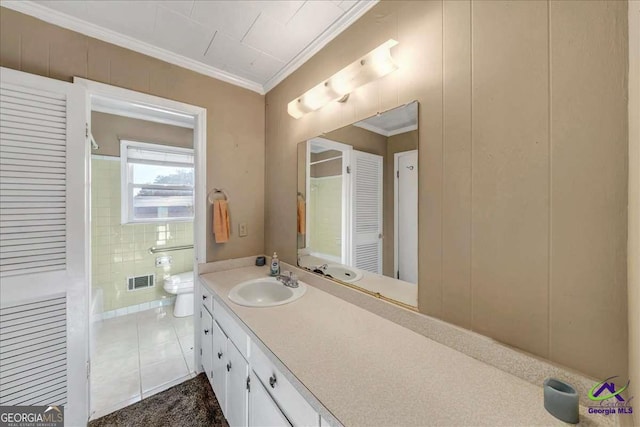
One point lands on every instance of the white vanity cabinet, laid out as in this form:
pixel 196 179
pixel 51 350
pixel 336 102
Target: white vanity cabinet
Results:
pixel 263 411
pixel 250 390
pixel 206 344
pixel 226 368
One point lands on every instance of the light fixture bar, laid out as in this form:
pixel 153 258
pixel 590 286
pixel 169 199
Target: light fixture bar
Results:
pixel 375 64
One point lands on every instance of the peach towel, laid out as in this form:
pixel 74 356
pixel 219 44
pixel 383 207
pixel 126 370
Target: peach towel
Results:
pixel 221 228
pixel 302 216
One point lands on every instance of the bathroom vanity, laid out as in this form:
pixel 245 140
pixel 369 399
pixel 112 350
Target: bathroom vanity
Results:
pixel 321 360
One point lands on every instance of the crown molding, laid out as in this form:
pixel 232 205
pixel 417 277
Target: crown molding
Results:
pixel 78 25
pixel 348 18
pixel 72 23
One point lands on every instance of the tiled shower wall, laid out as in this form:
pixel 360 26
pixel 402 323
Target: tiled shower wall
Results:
pixel 121 251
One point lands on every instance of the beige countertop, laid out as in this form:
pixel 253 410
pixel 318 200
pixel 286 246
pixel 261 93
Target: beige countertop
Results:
pixel 366 370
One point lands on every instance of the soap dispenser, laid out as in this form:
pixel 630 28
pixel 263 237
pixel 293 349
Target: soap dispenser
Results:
pixel 275 265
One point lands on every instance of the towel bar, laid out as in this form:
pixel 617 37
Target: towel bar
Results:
pixel 154 250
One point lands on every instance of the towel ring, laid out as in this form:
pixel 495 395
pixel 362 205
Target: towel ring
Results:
pixel 217 191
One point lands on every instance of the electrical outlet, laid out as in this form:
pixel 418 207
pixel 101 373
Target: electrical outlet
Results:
pixel 242 229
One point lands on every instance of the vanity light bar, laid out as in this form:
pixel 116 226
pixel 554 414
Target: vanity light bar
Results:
pixel 375 64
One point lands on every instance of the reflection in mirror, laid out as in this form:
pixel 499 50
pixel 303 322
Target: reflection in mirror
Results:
pixel 358 205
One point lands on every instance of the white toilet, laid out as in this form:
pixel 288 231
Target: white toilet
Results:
pixel 181 285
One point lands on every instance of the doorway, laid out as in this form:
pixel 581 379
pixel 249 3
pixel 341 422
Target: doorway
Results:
pixel 147 193
pixel 406 207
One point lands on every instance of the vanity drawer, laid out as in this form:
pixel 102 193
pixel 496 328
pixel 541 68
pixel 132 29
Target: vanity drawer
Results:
pixel 231 328
pixel 207 298
pixel 292 404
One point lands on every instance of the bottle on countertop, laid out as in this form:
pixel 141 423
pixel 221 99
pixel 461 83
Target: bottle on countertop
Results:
pixel 275 265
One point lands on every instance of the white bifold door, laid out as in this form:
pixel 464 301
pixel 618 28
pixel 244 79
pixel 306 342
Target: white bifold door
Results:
pixel 43 253
pixel 366 211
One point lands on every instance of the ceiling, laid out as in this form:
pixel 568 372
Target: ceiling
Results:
pixel 254 44
pixel 393 122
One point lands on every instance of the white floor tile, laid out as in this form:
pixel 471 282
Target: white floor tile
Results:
pixel 161 373
pixel 105 394
pixel 104 366
pixel 186 341
pixel 156 337
pixel 137 355
pixel 165 351
pixel 189 358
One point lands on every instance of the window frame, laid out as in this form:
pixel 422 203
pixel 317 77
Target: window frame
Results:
pixel 127 186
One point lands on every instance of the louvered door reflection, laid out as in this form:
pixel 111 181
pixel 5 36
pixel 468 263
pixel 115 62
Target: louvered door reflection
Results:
pixel 43 287
pixel 366 223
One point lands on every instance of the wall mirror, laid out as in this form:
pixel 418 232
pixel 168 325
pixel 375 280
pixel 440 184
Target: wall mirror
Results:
pixel 358 205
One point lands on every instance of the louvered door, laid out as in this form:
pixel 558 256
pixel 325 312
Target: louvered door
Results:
pixel 43 281
pixel 366 211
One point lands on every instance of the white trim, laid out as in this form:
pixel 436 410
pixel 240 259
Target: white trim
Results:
pixel 130 309
pixel 346 193
pixel 92 30
pixel 102 157
pixel 199 138
pixel 344 22
pixel 200 151
pixel 139 111
pixel 72 23
pixel 383 132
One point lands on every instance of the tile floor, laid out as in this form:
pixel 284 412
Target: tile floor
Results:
pixel 138 355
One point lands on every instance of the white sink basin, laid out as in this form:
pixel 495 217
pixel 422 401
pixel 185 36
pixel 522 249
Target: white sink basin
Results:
pixel 266 292
pixel 343 273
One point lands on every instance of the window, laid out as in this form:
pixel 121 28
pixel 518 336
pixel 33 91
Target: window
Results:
pixel 157 182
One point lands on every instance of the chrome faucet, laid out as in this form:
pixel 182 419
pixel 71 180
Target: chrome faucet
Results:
pixel 290 280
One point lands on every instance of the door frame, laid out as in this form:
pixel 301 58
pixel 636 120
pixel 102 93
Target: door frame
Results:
pixel 346 192
pixel 199 115
pixel 396 223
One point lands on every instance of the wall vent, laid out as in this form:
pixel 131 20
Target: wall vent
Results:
pixel 141 282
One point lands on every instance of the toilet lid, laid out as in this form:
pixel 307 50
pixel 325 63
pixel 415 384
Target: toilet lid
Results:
pixel 181 280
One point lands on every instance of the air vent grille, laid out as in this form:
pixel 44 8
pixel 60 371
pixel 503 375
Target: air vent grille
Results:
pixel 141 282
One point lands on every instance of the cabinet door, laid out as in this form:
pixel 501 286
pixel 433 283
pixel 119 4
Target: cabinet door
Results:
pixel 206 343
pixel 263 411
pixel 237 371
pixel 219 366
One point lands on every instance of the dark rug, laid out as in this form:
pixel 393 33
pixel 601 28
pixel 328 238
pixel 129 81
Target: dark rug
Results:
pixel 189 404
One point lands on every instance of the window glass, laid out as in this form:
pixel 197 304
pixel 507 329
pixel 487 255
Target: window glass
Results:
pixel 158 183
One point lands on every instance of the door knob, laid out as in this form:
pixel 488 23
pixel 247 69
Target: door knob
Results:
pixel 206 332
pixel 219 355
pixel 272 381
pixel 204 297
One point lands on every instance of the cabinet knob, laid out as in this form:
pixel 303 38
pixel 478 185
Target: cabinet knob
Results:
pixel 272 381
pixel 204 297
pixel 206 332
pixel 219 355
pixel 228 366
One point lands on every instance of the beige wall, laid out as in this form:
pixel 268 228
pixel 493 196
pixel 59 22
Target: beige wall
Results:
pixel 523 153
pixel 634 202
pixel 235 116
pixel 360 139
pixel 109 129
